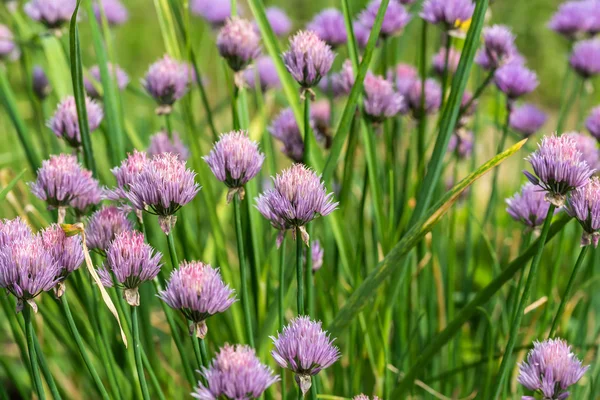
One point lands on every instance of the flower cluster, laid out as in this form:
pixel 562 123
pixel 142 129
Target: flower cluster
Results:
pixel 285 128
pixel 396 17
pixel 381 100
pixel 166 81
pixel 238 43
pixel 584 205
pixel 65 124
pixel 329 27
pixel 52 13
pixel 448 13
pixel 527 119
pixel 104 225
pixel 529 206
pixel 161 143
pixel 309 58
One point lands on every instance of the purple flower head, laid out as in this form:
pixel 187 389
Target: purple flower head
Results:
pixel 515 80
pixel 395 19
pixel 115 72
pixel 160 143
pixel 215 13
pixel 52 13
pixel 60 181
pixel 381 100
pixel 279 21
pixel 92 196
pixel 65 125
pixel 576 18
pixel 298 197
pixel 439 61
pixel 449 13
pixel 162 187
pixel 364 397
pixel 433 97
pixel 114 10
pixel 592 123
pixel 405 75
pixel 235 373
pixel 588 148
pixel 197 289
pixel 27 269
pixel 234 160
pixel 238 43
pixel 498 47
pixel 66 251
pixel 341 82
pixel 584 205
pixel 585 58
pixel 320 119
pixel 267 74
pixel 559 166
pixel 550 369
pixel 317 253
pixel 41 85
pixel 285 128
pixel 308 59
pixel 305 349
pixel 527 119
pixel 461 143
pixel 104 225
pixel 12 230
pixel 361 34
pixel 329 27
pixel 166 81
pixel 7 44
pixel 126 172
pixel 132 261
pixel 529 206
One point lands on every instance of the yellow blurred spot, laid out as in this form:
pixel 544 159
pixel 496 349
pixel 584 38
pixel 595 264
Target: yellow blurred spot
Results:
pixel 463 25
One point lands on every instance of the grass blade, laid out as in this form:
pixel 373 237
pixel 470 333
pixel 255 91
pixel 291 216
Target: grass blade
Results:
pixel 11 185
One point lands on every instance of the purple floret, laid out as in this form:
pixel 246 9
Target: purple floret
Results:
pixel 238 43
pixel 529 206
pixel 585 58
pixel 394 20
pixel 104 225
pixel 52 13
pixel 329 27
pixel 449 13
pixel 64 122
pixel 515 80
pixel 381 101
pixel 161 143
pixel 166 81
pixel 584 205
pixel 308 59
pixel 527 119
pixel 114 10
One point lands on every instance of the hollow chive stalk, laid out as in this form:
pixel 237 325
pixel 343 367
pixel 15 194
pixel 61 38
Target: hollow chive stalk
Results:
pixel 35 370
pixel 282 308
pixel 299 275
pixel 137 351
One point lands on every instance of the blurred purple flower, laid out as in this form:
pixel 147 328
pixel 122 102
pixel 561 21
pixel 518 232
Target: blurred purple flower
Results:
pixel 114 10
pixel 433 97
pixel 439 61
pixel 588 147
pixel 305 349
pixel 160 143
pixel 339 83
pixel 550 369
pixel 329 27
pixel 64 122
pixel 41 85
pixel 361 34
pixel 576 18
pixel 12 230
pixel 381 101
pixel 215 13
pixel 515 80
pixel 592 123
pixel 528 206
pixel 559 166
pixel 234 160
pixel 285 128
pixel 104 225
pixel 66 251
pixel 405 76
pixel 279 21
pixel 317 253
pixel 235 373
pixel 267 74
pixel 52 13
pixel 308 58
pixel 395 19
pixel 166 81
pixel 320 120
pixel 449 13
pixel 527 119
pixel 132 261
pixel 163 186
pixel 198 291
pixel 298 197
pixel 585 58
pixel 7 44
pixel 114 71
pixel 126 172
pixel 461 143
pixel 498 47
pixel 584 205
pixel 238 43
pixel 27 269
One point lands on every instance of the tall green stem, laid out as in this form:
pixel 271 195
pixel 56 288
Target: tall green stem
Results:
pixel 137 351
pixel 196 346
pixel 568 290
pixel 307 138
pixel 169 125
pixel 243 268
pixel 35 371
pixel 446 72
pixel 299 273
pixel 282 308
pixel 422 122
pixel 81 346
pixel 514 330
pixel 172 250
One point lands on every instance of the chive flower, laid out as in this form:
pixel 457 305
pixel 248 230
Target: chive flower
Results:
pixel 405 75
pixel 52 13
pixel 320 120
pixel 396 17
pixel 114 71
pixel 40 84
pixel 576 19
pixel 234 160
pixel 12 230
pixel 527 119
pixel 126 172
pixel 515 80
pixel 330 27
pixel 305 349
pixel 308 59
pixel 559 166
pixel 343 81
pixel 361 34
pixel 238 43
pixel 161 143
pixel 65 124
pixel 550 369
pixel 114 10
pixel 585 58
pixel 94 194
pixel 439 61
pixel 584 205
pixel 7 43
pixel 104 225
pixel 433 98
pixel 279 21
pixel 215 13
pixel 285 129
pixel 588 147
pixel 317 253
pixel 381 101
pixel 529 206
pixel 265 70
pixel 66 251
pixel 447 13
pixel 198 291
pixel 235 373
pixel 592 123
pixel 163 186
pixel 166 81
pixel 132 262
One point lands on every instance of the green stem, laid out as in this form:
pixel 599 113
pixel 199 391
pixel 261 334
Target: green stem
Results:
pixel 137 350
pixel 281 304
pixel 81 346
pixel 204 353
pixel 422 122
pixel 446 72
pixel 310 304
pixel 169 125
pixel 583 97
pixel 196 345
pixel 514 330
pixel 153 380
pixel 478 92
pixel 35 372
pixel 46 371
pixel 243 269
pixel 568 290
pixel 299 273
pixel 307 138
pixel 234 111
pixel 172 250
